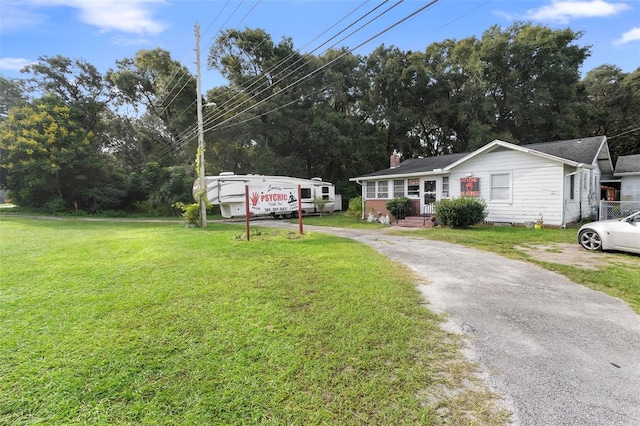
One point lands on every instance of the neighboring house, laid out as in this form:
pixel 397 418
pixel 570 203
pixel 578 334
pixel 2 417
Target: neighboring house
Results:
pixel 558 181
pixel 628 171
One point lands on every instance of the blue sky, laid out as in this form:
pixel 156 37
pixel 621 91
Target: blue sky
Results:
pixel 103 31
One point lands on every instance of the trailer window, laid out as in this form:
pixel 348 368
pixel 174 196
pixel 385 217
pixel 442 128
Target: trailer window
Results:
pixel 325 192
pixel 305 192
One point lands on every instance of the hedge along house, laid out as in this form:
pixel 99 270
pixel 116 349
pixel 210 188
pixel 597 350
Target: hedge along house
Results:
pixel 556 181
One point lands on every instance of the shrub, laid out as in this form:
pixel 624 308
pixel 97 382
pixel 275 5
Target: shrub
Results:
pixel 399 207
pixel 320 202
pixel 56 205
pixel 190 212
pixel 461 212
pixel 355 208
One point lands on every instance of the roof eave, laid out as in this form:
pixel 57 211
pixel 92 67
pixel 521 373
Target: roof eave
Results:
pixel 400 175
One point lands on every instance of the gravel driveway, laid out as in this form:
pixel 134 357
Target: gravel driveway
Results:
pixel 559 353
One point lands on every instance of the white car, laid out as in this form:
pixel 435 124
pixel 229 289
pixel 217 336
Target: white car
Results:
pixel 615 234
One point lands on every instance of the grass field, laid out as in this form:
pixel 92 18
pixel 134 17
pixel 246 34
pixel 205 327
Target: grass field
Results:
pixel 150 323
pixel 618 279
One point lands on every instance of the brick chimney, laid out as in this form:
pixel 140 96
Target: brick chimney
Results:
pixel 394 159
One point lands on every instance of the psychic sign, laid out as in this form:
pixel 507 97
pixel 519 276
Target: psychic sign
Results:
pixel 272 198
pixel 470 187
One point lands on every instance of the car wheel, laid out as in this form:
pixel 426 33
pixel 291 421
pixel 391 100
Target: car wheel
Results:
pixel 590 240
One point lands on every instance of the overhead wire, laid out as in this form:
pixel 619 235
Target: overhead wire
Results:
pixel 330 62
pixel 265 86
pixel 168 149
pixel 186 136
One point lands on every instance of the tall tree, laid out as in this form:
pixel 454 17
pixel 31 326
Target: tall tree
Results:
pixel 610 106
pixel 532 73
pixel 12 94
pixel 163 92
pixel 50 160
pixel 78 84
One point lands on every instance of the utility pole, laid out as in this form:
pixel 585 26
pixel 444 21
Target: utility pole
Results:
pixel 202 186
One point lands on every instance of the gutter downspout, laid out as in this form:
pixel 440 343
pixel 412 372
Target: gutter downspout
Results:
pixel 362 206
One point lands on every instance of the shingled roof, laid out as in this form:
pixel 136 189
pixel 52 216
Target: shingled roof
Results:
pixel 584 150
pixel 628 164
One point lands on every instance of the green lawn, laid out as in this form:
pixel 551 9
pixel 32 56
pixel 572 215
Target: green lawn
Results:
pixel 155 323
pixel 618 279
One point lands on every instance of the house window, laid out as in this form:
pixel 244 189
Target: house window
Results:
pixel 383 189
pixel 377 189
pixel 572 186
pixel 398 188
pixel 371 190
pixel 500 187
pixel 413 188
pixel 445 187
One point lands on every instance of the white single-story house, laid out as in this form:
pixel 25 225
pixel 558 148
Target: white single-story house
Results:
pixel 628 171
pixel 556 181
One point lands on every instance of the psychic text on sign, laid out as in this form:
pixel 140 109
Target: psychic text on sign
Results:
pixel 272 199
pixel 470 187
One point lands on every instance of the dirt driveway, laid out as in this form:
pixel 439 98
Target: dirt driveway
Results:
pixel 574 255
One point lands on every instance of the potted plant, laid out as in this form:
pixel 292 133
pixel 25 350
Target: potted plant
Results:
pixel 539 222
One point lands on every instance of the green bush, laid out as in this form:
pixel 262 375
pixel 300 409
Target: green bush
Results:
pixel 190 212
pixel 56 205
pixel 399 207
pixel 461 212
pixel 355 208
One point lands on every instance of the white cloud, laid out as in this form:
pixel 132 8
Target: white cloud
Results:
pixel 562 11
pixel 129 16
pixel 14 64
pixel 126 41
pixel 631 35
pixel 14 16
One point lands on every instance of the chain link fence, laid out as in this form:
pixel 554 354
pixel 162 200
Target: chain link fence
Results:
pixel 617 209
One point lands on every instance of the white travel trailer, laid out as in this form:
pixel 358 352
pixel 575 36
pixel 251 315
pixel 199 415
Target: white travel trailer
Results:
pixel 228 191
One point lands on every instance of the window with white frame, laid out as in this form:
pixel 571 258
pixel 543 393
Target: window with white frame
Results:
pixel 398 188
pixel 383 189
pixel 572 186
pixel 413 188
pixel 371 190
pixel 445 187
pixel 377 189
pixel 500 187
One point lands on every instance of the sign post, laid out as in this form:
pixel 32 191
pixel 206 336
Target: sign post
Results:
pixel 247 209
pixel 300 209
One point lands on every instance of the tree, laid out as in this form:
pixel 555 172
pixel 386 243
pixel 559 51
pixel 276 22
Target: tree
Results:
pixel 609 106
pixel 50 160
pixel 532 74
pixel 12 94
pixel 162 95
pixel 78 84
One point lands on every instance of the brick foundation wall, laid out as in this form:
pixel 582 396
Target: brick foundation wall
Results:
pixel 375 207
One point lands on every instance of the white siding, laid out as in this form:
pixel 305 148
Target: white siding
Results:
pixel 630 188
pixel 536 186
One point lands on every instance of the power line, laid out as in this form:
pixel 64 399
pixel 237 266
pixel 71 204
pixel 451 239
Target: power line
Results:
pixel 266 86
pixel 188 133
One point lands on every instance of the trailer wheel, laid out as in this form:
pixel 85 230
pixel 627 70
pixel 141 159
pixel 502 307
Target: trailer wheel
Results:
pixel 294 215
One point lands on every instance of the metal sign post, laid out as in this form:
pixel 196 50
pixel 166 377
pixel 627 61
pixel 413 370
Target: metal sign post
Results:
pixel 300 209
pixel 248 209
